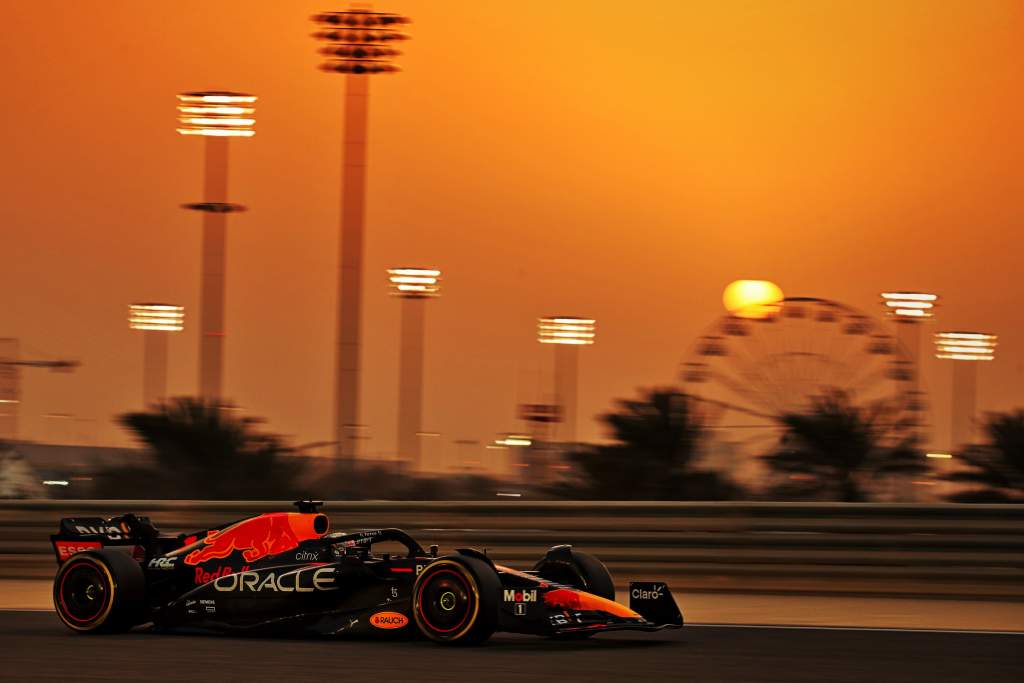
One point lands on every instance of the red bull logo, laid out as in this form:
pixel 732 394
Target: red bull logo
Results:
pixel 257 537
pixel 203 576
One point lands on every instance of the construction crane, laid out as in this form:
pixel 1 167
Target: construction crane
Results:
pixel 10 383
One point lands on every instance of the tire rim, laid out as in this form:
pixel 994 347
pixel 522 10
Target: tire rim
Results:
pixel 83 592
pixel 444 601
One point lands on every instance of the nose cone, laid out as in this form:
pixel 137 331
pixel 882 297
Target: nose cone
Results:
pixel 578 601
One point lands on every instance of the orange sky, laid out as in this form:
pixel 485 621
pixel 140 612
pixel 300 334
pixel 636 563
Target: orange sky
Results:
pixel 618 160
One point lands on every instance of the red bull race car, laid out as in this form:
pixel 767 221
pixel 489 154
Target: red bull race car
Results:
pixel 286 573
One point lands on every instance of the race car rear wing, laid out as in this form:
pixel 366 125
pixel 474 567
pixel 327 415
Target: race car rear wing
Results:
pixel 78 534
pixel 654 602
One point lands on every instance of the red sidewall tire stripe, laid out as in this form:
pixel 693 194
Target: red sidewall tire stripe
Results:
pixel 60 593
pixel 419 600
pixel 97 620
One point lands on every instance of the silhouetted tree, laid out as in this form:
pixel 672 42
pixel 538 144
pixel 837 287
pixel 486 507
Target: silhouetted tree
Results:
pixel 837 448
pixel 654 455
pixel 203 450
pixel 997 467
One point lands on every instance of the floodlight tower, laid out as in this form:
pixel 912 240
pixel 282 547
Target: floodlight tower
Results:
pixel 967 348
pixel 10 389
pixel 216 116
pixel 156 322
pixel 357 45
pixel 414 286
pixel 568 333
pixel 908 310
pixel 10 383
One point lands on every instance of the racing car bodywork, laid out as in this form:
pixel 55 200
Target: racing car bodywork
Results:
pixel 284 572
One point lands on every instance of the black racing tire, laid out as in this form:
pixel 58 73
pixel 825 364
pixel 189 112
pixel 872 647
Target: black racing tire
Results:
pixel 585 572
pixel 455 600
pixel 100 591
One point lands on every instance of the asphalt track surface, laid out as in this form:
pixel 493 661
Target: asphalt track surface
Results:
pixel 35 646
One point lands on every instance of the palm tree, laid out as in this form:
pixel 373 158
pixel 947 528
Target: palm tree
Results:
pixel 997 467
pixel 17 477
pixel 834 450
pixel 202 449
pixel 653 457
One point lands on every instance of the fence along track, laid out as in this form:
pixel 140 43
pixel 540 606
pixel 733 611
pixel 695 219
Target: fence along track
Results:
pixel 935 550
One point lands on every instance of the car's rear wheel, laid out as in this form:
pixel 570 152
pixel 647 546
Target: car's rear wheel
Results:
pixel 455 600
pixel 100 591
pixel 578 570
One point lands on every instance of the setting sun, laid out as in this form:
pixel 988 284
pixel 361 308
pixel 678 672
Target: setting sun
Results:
pixel 752 298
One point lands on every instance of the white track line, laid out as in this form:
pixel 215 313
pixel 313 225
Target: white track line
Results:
pixel 869 629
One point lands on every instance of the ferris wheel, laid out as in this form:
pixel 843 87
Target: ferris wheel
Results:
pixel 747 373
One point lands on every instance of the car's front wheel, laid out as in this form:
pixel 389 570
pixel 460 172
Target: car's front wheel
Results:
pixel 455 600
pixel 100 591
pixel 579 570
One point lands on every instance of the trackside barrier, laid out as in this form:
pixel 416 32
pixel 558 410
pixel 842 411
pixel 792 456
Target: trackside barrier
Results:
pixel 956 551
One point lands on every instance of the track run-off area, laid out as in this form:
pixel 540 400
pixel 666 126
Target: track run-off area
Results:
pixel 35 646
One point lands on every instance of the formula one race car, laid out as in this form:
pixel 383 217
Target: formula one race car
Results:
pixel 282 572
